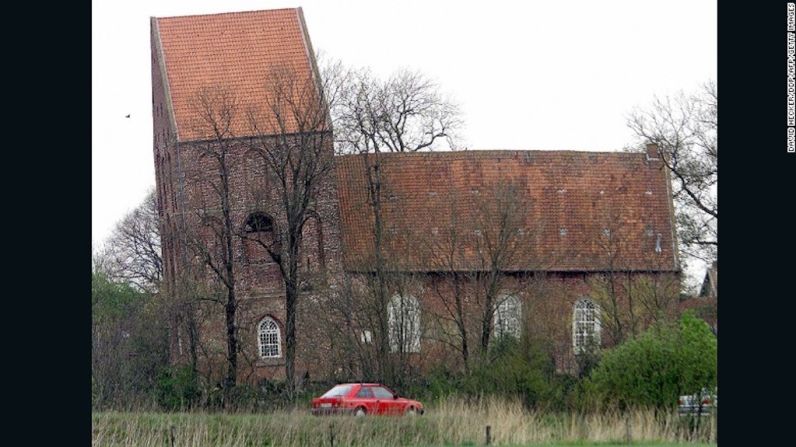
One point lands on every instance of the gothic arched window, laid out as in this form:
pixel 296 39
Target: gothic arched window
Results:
pixel 507 317
pixel 270 339
pixel 585 326
pixel 403 314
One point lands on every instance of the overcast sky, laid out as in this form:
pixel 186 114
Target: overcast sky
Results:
pixel 527 75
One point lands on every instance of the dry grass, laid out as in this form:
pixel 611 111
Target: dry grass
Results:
pixel 452 422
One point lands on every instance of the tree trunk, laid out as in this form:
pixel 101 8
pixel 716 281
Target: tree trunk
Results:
pixel 232 342
pixel 461 321
pixel 290 336
pixel 231 305
pixel 486 322
pixel 291 298
pixel 374 178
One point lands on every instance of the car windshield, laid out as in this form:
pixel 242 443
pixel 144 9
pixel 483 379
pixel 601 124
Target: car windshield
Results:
pixel 339 390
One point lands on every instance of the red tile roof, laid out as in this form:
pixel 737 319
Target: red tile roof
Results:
pixel 237 51
pixel 581 211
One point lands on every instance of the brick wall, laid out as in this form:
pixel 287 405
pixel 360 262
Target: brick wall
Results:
pixel 547 301
pixel 258 282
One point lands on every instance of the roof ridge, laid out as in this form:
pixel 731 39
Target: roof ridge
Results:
pixel 487 152
pixel 227 13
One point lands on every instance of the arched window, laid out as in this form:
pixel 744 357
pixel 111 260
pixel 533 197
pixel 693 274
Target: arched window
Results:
pixel 270 339
pixel 507 317
pixel 403 314
pixel 258 234
pixel 586 326
pixel 259 223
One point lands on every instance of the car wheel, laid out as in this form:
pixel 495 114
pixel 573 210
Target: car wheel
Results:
pixel 411 411
pixel 360 412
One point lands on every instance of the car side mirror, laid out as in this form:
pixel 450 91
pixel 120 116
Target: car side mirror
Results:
pixel 395 396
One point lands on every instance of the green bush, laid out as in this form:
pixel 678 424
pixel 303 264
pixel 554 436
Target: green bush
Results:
pixel 442 383
pixel 111 300
pixel 513 369
pixel 129 343
pixel 654 369
pixel 177 388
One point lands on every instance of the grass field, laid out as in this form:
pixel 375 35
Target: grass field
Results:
pixel 450 423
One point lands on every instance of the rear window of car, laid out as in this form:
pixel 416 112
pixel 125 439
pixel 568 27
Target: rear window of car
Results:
pixel 381 393
pixel 338 391
pixel 365 393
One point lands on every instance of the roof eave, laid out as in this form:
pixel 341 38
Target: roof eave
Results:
pixel 161 57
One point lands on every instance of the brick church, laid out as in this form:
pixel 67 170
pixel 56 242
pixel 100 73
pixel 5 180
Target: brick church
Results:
pixel 593 253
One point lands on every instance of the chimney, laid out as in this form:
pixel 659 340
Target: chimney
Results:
pixel 652 151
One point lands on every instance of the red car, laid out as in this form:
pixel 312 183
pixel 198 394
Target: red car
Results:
pixel 360 399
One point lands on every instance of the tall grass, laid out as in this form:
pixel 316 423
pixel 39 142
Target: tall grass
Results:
pixel 450 422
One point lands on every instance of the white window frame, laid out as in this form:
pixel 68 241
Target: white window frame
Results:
pixel 272 330
pixel 366 336
pixel 407 308
pixel 508 316
pixel 585 315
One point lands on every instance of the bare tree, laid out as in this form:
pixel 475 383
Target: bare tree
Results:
pixel 633 289
pixel 502 242
pixel 290 133
pixel 404 113
pixel 133 251
pixel 350 326
pixel 193 310
pixel 484 261
pixel 612 244
pixel 211 239
pixel 294 140
pixel 454 287
pixel 684 128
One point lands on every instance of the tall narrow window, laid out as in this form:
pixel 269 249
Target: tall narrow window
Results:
pixel 270 339
pixel 507 317
pixel 586 326
pixel 404 323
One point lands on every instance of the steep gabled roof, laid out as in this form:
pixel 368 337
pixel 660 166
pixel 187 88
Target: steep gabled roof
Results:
pixel 237 52
pixel 581 211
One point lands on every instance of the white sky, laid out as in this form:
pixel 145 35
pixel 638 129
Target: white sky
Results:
pixel 527 74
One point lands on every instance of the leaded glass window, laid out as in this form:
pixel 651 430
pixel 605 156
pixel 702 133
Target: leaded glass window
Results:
pixel 586 326
pixel 404 323
pixel 507 317
pixel 270 343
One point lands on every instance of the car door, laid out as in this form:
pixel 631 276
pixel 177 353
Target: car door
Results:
pixel 385 401
pixel 365 398
pixel 395 405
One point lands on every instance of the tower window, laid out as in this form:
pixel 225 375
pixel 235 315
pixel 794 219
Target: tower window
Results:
pixel 270 339
pixel 259 222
